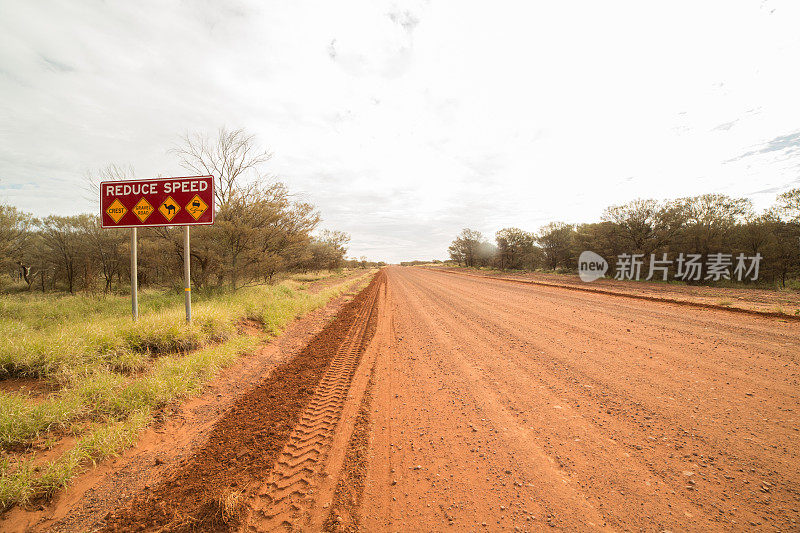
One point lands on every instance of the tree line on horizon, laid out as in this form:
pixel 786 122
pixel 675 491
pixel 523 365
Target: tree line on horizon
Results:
pixel 705 224
pixel 258 231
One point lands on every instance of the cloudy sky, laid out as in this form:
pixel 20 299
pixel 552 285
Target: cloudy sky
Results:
pixel 407 121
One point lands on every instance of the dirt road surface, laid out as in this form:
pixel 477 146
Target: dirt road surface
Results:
pixel 511 407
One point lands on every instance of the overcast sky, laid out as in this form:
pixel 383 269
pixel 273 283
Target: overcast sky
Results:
pixel 407 121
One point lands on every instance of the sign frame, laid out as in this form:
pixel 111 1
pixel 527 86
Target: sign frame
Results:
pixel 148 224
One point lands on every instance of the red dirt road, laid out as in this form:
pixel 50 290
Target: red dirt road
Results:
pixel 499 406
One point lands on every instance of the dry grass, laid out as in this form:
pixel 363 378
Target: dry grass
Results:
pixel 231 505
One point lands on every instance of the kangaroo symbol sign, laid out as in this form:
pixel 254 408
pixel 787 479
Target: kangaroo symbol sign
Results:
pixel 157 202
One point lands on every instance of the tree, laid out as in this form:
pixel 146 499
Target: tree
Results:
pixel 289 244
pixel 336 244
pixel 789 204
pixel 465 248
pixel 104 249
pixel 644 226
pixel 259 230
pixel 754 234
pixel 326 251
pixel 711 222
pixel 16 235
pixel 556 240
pixel 781 251
pixel 603 238
pixel 513 247
pixel 229 158
pixel 64 240
pixel 110 172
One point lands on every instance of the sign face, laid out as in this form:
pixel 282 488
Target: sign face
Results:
pixel 157 202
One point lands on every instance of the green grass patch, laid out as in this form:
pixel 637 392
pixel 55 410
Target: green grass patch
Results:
pixel 22 481
pixel 51 336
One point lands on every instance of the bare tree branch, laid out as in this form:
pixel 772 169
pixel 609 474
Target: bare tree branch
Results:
pixel 229 158
pixel 111 172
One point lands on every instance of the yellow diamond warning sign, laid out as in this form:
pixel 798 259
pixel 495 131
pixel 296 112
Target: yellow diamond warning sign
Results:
pixel 116 210
pixel 196 207
pixel 169 208
pixel 142 209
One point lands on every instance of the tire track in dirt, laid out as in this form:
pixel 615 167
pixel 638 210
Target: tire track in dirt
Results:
pixel 285 501
pixel 349 492
pixel 209 491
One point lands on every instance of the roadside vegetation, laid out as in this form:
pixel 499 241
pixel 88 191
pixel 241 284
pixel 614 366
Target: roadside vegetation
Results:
pixel 78 378
pixel 260 231
pixel 107 374
pixel 707 224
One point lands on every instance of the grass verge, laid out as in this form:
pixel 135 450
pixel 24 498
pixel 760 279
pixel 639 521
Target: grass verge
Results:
pixel 115 402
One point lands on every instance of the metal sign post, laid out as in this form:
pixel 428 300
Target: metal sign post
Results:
pixel 134 277
pixel 187 280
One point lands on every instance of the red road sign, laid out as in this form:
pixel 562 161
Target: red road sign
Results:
pixel 158 202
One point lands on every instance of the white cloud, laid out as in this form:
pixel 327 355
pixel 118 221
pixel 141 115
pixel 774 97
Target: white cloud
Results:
pixel 405 122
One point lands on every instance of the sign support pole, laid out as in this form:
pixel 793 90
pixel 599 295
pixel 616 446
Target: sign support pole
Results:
pixel 187 280
pixel 134 277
